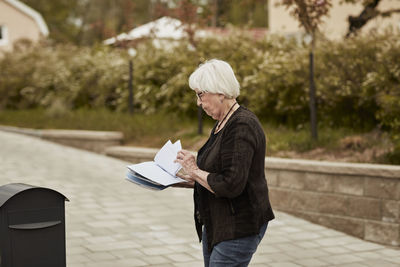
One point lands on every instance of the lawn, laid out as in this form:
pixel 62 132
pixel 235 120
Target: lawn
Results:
pixel 154 130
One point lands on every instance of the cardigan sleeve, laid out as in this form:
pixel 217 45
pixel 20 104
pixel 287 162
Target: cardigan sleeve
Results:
pixel 236 154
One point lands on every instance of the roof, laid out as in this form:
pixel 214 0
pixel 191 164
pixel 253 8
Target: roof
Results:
pixel 162 28
pixel 31 13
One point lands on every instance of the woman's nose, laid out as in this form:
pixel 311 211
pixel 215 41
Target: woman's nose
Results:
pixel 198 102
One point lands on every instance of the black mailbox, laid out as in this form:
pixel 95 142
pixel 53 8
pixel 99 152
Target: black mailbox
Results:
pixel 32 226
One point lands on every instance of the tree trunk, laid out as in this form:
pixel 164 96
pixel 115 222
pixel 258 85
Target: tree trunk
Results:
pixel 130 86
pixel 215 14
pixel 313 108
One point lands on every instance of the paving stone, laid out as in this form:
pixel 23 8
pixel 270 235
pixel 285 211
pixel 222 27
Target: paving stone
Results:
pixel 100 239
pixel 72 234
pixel 311 262
pixel 356 264
pixel 283 264
pixel 287 247
pixel 160 250
pixel 389 252
pixel 307 244
pixel 280 257
pixel 101 256
pixel 262 249
pixel 378 263
pixel 336 241
pixel 368 255
pixel 336 250
pixel 112 246
pixel 302 235
pixel 78 258
pixel 363 246
pixel 394 259
pixel 307 253
pixel 191 264
pixel 155 260
pixel 105 224
pixel 76 250
pixel 128 254
pixel 180 257
pixel 76 265
pixel 111 222
pixel 341 259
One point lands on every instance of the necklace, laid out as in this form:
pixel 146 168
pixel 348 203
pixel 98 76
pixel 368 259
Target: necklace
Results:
pixel 222 121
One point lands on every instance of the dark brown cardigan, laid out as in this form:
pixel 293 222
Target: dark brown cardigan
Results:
pixel 235 158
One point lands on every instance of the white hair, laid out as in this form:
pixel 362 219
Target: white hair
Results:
pixel 215 76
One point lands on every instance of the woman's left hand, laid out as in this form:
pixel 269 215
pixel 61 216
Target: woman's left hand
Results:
pixel 193 173
pixel 188 162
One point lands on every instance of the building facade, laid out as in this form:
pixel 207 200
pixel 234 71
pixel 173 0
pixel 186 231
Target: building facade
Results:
pixel 19 21
pixel 335 25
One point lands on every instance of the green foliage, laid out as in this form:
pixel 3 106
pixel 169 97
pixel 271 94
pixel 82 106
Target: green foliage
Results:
pixel 160 79
pixel 344 90
pixel 357 79
pixel 253 13
pixel 59 16
pixel 37 76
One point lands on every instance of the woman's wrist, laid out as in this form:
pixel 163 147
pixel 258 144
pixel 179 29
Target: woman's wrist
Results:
pixel 200 177
pixel 194 173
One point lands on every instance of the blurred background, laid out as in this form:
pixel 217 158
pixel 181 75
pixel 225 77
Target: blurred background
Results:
pixel 305 67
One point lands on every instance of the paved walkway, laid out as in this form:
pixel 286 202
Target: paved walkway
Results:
pixel 112 222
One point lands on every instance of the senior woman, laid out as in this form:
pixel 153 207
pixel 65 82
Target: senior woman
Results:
pixel 232 207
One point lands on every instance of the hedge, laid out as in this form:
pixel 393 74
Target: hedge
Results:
pixel 357 80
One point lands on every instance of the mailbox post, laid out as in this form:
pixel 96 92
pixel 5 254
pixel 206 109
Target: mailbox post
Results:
pixel 32 227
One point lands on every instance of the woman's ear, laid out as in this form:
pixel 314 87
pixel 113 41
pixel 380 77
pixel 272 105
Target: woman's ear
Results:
pixel 221 98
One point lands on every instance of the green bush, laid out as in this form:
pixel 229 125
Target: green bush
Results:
pixel 352 77
pixel 44 75
pixel 357 79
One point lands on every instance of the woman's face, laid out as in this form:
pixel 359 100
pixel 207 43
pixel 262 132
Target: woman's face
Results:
pixel 211 104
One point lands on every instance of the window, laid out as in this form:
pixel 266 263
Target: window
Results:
pixel 3 35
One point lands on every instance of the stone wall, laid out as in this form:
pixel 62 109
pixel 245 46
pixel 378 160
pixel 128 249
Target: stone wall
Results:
pixel 96 141
pixel 362 200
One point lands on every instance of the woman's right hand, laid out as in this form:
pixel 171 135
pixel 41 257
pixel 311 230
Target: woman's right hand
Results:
pixel 184 185
pixel 189 183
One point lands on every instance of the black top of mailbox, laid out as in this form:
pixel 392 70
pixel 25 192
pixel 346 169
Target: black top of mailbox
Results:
pixel 10 190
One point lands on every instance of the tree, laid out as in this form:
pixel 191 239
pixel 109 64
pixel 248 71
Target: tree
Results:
pixel 309 13
pixel 102 19
pixel 369 12
pixel 58 16
pixel 85 22
pixel 252 13
pixel 239 12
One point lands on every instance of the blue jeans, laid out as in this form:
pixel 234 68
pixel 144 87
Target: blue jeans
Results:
pixel 229 253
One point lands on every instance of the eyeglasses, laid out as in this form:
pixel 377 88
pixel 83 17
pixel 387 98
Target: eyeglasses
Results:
pixel 199 95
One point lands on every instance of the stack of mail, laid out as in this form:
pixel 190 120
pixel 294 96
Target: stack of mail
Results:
pixel 160 173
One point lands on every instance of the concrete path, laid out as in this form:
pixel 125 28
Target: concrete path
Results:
pixel 112 222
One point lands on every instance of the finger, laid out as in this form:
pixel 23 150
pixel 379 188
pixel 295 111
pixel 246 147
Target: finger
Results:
pixel 184 152
pixel 184 177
